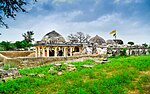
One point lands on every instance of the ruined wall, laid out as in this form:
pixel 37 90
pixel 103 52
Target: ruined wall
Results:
pixel 13 54
pixel 33 61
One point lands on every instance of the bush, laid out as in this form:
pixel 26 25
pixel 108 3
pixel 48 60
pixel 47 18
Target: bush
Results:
pixel 123 53
pixel 8 65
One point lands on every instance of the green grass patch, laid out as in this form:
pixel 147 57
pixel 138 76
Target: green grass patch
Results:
pixel 116 77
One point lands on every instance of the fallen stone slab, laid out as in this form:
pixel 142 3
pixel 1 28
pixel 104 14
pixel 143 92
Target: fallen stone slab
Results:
pixel 97 61
pixel 105 59
pixel 103 62
pixel 60 73
pixel 58 64
pixel 7 78
pixel 40 75
pixel 70 65
pixel 31 74
pixel 71 69
pixel 87 66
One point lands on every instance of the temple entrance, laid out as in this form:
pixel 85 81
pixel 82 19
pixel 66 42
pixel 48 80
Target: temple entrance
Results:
pixel 51 53
pixel 60 53
pixel 47 51
pixel 76 49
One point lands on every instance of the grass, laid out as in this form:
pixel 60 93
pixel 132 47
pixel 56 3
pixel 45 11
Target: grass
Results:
pixel 121 76
pixel 9 64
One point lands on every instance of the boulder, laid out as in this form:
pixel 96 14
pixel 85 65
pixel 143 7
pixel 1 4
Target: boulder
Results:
pixel 59 73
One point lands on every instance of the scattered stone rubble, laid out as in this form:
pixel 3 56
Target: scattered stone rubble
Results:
pixel 37 75
pixel 52 71
pixel 58 69
pixel 12 73
pixel 101 61
pixel 71 67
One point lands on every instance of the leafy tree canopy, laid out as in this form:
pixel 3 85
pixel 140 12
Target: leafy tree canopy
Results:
pixel 131 43
pixel 145 45
pixel 5 45
pixel 28 37
pixel 79 37
pixel 9 9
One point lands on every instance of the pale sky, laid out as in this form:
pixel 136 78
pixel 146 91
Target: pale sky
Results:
pixel 131 19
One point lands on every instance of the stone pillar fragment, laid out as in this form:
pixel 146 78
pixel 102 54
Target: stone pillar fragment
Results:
pixel 43 52
pixel 55 53
pixel 39 52
pixel 71 51
pixel 47 49
pixel 36 52
pixel 65 51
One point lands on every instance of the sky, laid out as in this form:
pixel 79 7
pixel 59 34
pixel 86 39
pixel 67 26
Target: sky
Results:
pixel 131 19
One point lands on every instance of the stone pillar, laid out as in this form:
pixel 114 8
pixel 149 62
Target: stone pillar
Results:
pixel 71 51
pixel 36 52
pixel 80 49
pixel 65 51
pixel 43 52
pixel 73 48
pixel 47 49
pixel 59 48
pixel 39 52
pixel 55 53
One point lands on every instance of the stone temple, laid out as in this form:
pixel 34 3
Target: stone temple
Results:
pixel 53 44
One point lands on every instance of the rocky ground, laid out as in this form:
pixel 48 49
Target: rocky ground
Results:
pixel 59 68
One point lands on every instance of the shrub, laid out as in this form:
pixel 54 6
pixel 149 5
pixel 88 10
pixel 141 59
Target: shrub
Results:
pixel 123 52
pixel 9 65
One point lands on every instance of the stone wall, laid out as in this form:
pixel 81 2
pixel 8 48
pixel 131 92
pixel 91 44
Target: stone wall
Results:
pixel 13 54
pixel 37 61
pixel 129 51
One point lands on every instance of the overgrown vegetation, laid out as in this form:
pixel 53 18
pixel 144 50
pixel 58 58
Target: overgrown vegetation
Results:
pixel 121 75
pixel 9 64
pixel 27 42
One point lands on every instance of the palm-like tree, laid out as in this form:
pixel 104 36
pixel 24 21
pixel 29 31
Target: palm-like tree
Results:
pixel 145 46
pixel 130 43
pixel 28 36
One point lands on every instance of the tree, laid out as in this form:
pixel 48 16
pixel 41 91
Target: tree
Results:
pixel 145 45
pixel 149 49
pixel 18 44
pixel 131 43
pixel 7 45
pixel 22 44
pixel 78 37
pixel 87 38
pixel 9 9
pixel 72 38
pixel 28 36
